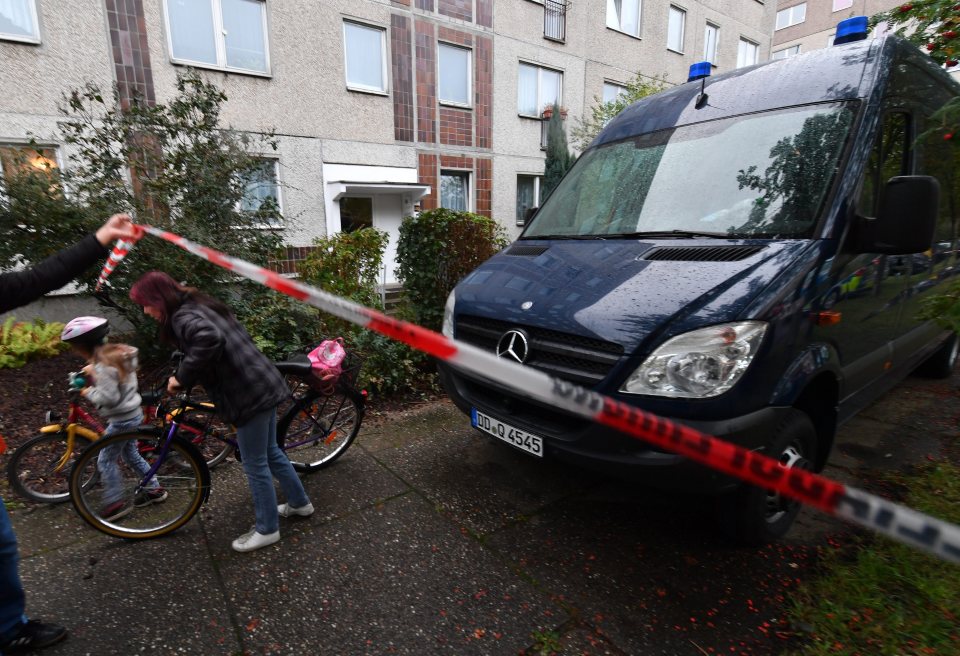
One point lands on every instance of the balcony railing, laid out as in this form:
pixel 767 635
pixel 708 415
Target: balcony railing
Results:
pixel 555 20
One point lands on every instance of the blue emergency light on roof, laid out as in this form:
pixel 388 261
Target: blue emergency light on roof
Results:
pixel 699 71
pixel 851 29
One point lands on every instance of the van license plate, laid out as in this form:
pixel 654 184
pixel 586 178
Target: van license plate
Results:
pixel 518 438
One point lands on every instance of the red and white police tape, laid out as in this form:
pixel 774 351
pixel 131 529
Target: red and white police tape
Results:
pixel 118 253
pixel 899 522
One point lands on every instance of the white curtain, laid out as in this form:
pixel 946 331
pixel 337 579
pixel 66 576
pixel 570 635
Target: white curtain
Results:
pixel 244 40
pixel 16 18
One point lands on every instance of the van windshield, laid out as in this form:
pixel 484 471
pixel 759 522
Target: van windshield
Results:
pixel 762 175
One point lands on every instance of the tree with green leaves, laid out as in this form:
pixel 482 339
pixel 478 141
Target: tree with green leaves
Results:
pixel 933 25
pixel 171 165
pixel 602 112
pixel 559 158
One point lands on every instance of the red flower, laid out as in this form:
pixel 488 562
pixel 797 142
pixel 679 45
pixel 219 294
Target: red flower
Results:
pixel 931 46
pixel 948 136
pixel 905 8
pixel 952 62
pixel 950 34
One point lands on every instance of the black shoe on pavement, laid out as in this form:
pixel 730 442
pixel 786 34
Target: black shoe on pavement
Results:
pixel 34 635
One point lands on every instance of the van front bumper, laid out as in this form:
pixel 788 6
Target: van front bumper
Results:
pixel 582 442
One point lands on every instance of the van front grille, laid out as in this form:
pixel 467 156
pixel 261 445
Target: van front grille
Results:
pixel 581 360
pixel 703 253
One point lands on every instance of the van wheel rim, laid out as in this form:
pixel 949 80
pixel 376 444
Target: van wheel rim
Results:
pixel 778 505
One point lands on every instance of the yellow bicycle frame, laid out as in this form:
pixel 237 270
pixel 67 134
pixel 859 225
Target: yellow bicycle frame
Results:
pixel 72 431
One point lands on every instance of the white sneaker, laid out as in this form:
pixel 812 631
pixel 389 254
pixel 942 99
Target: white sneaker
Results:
pixel 252 540
pixel 286 510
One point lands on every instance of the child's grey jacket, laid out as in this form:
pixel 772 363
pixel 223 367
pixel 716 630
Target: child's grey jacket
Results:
pixel 116 399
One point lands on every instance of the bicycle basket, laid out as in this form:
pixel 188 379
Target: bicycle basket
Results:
pixel 349 373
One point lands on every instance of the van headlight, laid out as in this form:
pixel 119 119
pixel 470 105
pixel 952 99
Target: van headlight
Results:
pixel 698 364
pixel 447 326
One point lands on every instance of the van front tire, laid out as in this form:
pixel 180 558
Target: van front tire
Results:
pixel 753 516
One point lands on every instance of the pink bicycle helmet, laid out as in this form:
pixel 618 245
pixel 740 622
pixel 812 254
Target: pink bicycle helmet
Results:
pixel 86 331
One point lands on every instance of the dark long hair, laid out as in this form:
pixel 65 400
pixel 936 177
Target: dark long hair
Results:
pixel 158 290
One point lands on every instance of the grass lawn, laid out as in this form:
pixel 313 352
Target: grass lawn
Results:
pixel 884 598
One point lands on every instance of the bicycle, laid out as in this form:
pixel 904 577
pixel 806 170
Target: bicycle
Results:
pixel 39 469
pixel 324 423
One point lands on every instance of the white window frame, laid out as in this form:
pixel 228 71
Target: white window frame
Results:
pixel 793 16
pixel 276 181
pixel 461 173
pixel 219 42
pixel 843 4
pixel 673 11
pixel 789 51
pixel 468 72
pixel 621 91
pixel 756 51
pixel 615 23
pixel 537 182
pixel 707 55
pixel 384 71
pixel 35 23
pixel 540 104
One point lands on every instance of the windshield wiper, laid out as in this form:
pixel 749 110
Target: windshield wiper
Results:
pixel 677 234
pixel 566 237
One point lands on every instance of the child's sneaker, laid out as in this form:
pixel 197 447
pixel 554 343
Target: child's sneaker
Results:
pixel 146 497
pixel 115 510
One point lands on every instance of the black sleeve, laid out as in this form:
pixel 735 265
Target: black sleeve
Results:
pixel 21 287
pixel 201 342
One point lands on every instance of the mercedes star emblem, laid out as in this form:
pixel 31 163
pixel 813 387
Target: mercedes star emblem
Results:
pixel 513 345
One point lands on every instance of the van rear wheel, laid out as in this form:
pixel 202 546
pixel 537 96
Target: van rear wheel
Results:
pixel 943 360
pixel 754 516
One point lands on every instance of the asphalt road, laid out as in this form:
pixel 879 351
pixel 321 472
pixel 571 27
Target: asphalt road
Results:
pixel 430 539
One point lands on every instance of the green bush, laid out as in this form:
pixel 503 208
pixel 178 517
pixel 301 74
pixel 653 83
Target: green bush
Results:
pixel 279 325
pixel 436 250
pixel 21 342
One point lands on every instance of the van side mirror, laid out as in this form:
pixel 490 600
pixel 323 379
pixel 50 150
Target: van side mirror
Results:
pixel 906 218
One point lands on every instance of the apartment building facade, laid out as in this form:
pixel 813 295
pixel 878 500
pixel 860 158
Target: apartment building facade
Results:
pixel 804 25
pixel 380 107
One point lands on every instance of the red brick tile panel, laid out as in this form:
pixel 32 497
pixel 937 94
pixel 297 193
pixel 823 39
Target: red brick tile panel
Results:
pixel 402 62
pixel 426 83
pixel 428 175
pixel 485 187
pixel 461 9
pixel 131 55
pixel 483 91
pixel 456 127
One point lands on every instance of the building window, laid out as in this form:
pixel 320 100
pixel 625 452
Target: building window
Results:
pixel 262 184
pixel 842 4
pixel 786 52
pixel 528 195
pixel 356 214
pixel 364 52
pixel 555 20
pixel 455 190
pixel 18 21
pixel 624 16
pixel 455 74
pixel 538 88
pixel 675 26
pixel 15 159
pixel 225 34
pixel 791 15
pixel 747 53
pixel 711 36
pixel 613 91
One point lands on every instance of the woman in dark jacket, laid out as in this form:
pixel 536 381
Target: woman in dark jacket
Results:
pixel 17 288
pixel 244 385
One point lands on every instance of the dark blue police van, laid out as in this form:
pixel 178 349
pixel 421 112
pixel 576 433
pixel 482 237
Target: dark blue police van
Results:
pixel 745 254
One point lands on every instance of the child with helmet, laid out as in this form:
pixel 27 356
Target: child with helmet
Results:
pixel 112 386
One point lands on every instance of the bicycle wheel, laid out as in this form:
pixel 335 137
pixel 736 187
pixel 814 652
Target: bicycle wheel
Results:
pixel 208 433
pixel 39 470
pixel 318 429
pixel 121 504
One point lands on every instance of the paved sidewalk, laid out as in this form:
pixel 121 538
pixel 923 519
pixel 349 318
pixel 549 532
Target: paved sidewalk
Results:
pixel 429 539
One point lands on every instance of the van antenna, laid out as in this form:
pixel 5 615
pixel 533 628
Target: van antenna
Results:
pixel 703 97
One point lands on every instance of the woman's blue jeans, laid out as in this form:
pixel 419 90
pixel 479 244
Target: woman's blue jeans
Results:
pixel 262 461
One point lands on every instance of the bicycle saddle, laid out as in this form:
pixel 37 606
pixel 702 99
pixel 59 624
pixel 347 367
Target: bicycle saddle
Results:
pixel 298 365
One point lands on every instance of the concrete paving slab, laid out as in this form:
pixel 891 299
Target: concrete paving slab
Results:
pixel 393 578
pixel 117 597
